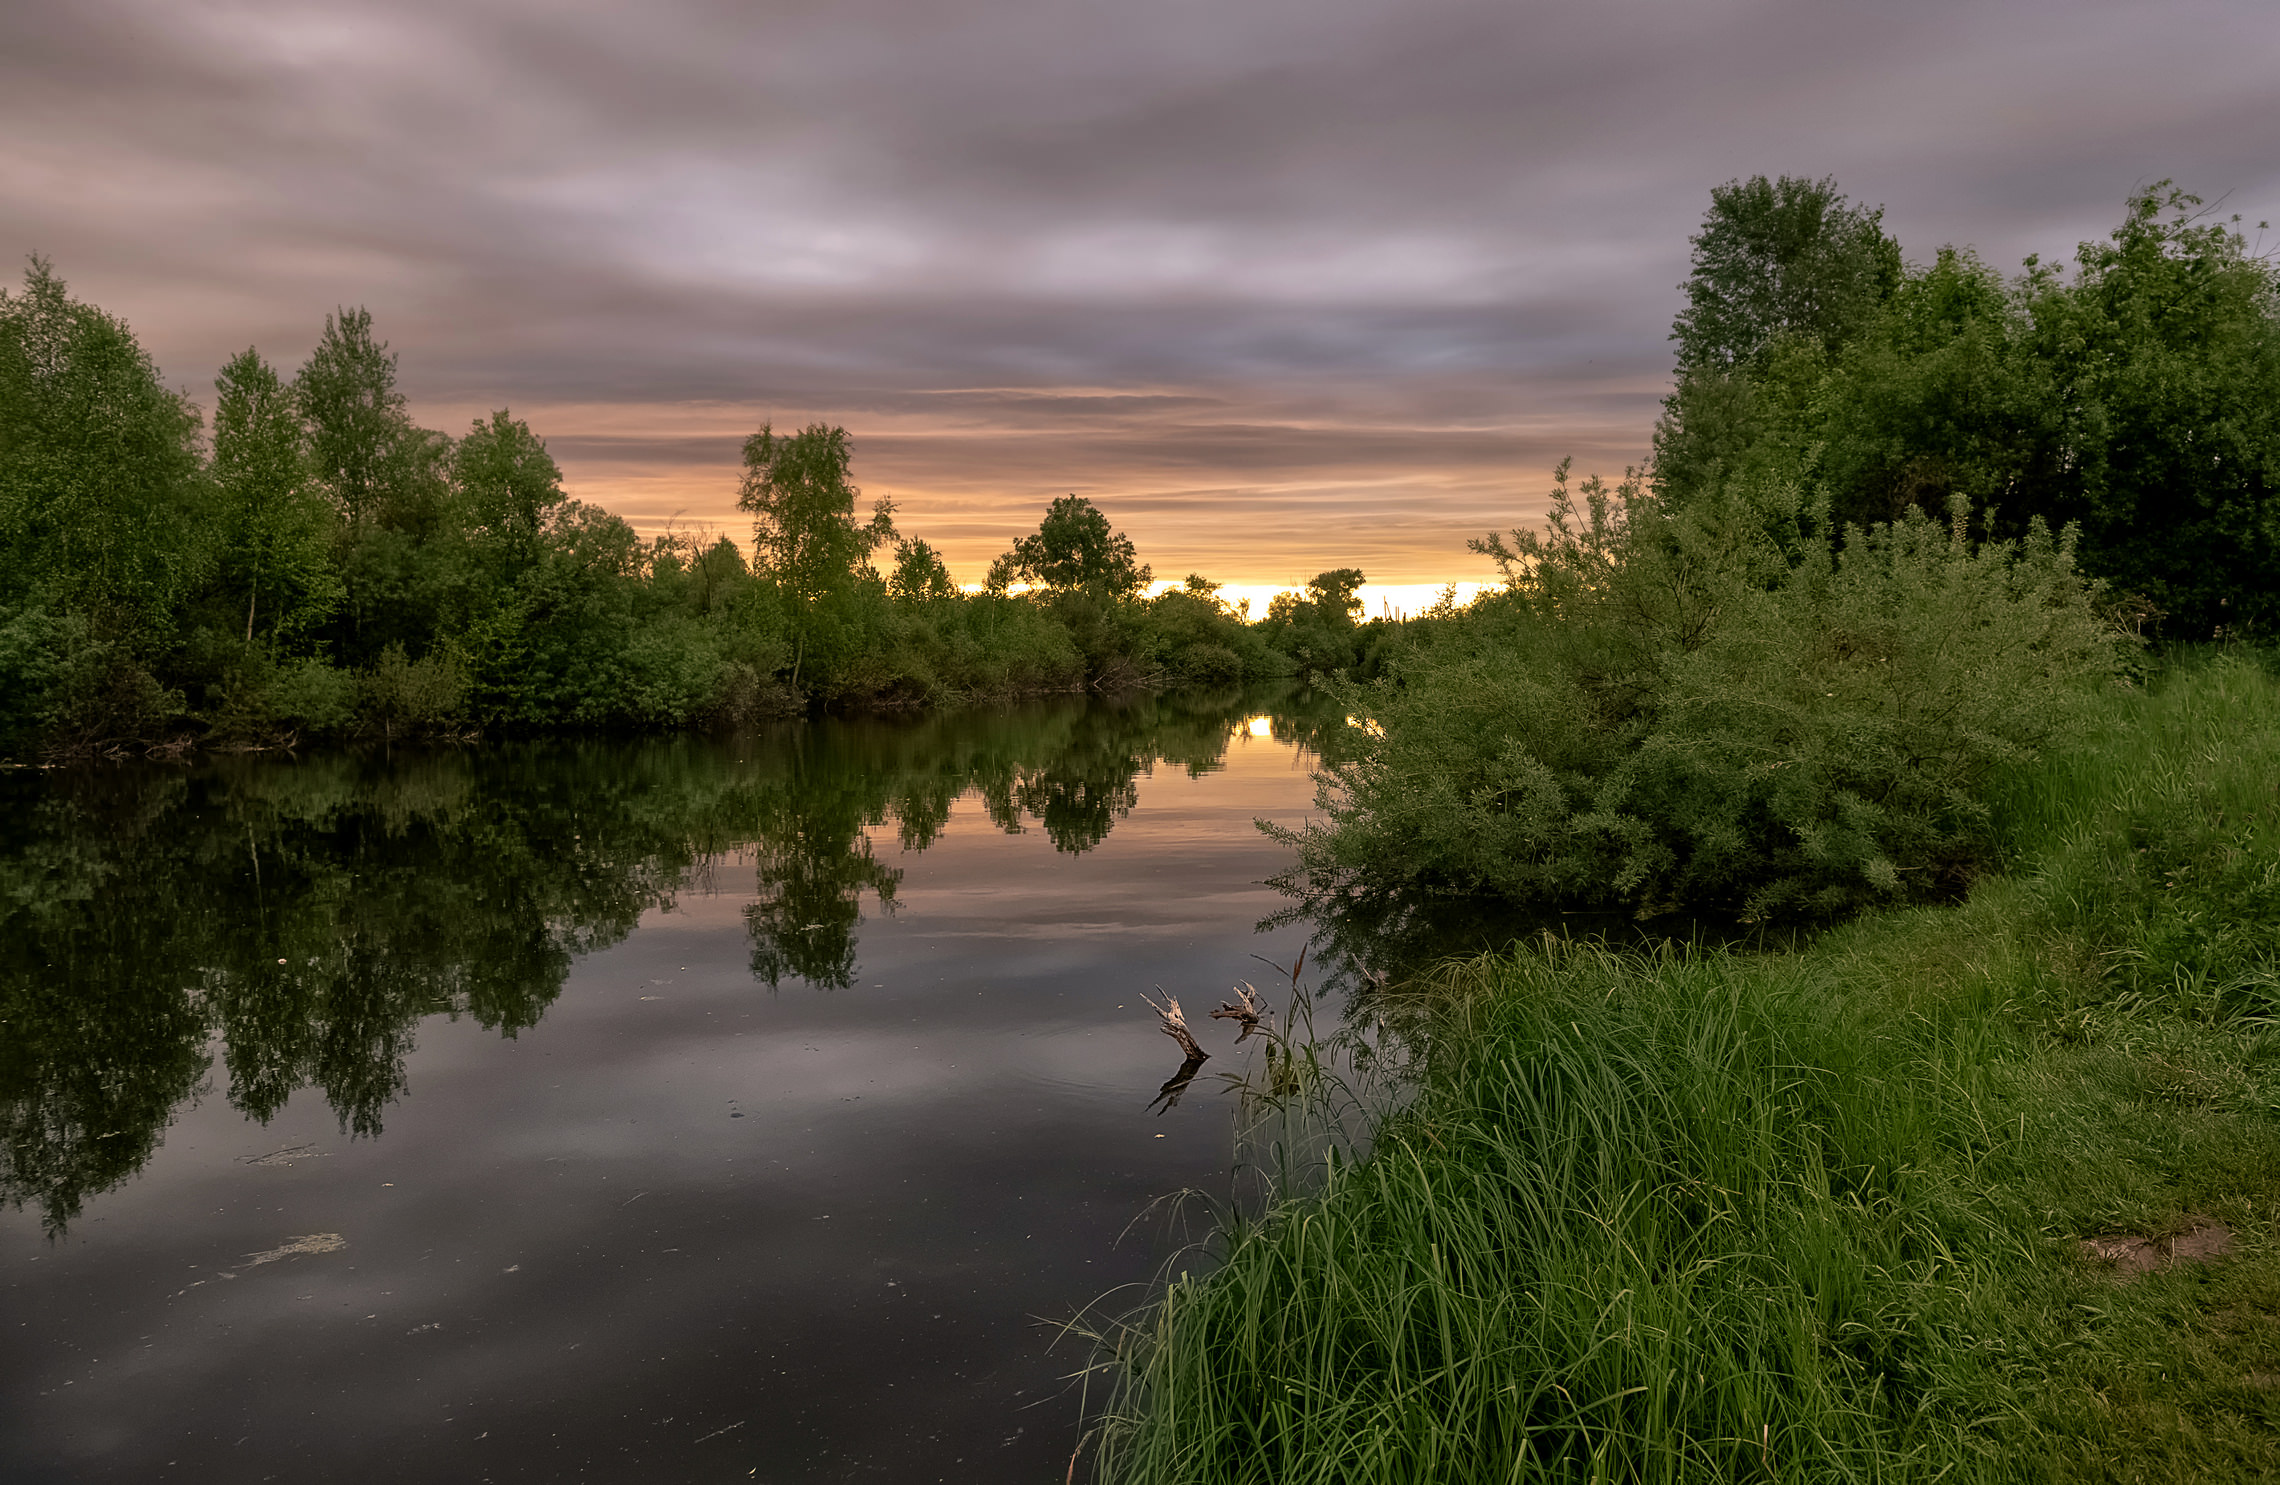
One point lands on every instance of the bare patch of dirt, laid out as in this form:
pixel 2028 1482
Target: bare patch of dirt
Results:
pixel 2130 1255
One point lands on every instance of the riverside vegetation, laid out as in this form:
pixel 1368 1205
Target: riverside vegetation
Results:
pixel 1922 1119
pixel 315 565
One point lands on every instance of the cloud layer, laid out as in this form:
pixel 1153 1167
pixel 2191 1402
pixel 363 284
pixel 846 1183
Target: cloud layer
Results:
pixel 1283 286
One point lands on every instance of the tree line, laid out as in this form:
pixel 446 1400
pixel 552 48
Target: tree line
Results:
pixel 312 563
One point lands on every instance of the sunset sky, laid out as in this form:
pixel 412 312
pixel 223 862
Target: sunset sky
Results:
pixel 1281 286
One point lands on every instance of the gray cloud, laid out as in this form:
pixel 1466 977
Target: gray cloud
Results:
pixel 1282 284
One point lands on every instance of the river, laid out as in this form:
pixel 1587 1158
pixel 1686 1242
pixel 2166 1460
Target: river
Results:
pixel 682 1109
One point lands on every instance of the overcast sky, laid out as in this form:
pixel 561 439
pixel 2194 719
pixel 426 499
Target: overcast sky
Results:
pixel 1282 286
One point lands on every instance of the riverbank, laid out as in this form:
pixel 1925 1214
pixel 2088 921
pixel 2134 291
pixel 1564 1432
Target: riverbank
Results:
pixel 1981 1191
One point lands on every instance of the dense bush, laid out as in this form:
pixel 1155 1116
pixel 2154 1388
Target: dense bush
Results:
pixel 1710 709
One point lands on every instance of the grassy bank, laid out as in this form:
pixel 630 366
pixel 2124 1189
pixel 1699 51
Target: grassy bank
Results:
pixel 1819 1214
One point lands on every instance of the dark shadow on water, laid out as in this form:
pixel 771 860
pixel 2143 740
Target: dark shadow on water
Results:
pixel 1367 945
pixel 1168 1097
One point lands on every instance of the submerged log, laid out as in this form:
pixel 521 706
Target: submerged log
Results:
pixel 1245 1010
pixel 1175 1026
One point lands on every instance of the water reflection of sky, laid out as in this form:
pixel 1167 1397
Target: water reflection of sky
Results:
pixel 684 1225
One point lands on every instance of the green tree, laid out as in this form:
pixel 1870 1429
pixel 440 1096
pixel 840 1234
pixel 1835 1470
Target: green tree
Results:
pixel 1709 709
pixel 390 480
pixel 802 503
pixel 1336 594
pixel 99 468
pixel 275 527
pixel 360 436
pixel 509 488
pixel 2137 397
pixel 921 576
pixel 1316 629
pixel 101 536
pixel 2155 379
pixel 1074 547
pixel 1933 400
pixel 1789 257
pixel 1786 273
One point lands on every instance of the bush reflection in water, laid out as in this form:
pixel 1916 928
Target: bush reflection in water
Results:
pixel 308 913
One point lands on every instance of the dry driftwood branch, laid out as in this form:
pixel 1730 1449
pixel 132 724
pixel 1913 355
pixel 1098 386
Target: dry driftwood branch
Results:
pixel 1245 1010
pixel 1175 1025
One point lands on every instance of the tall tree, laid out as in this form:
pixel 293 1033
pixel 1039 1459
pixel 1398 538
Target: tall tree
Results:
pixel 359 433
pixel 921 576
pixel 2156 375
pixel 99 468
pixel 275 526
pixel 1787 257
pixel 390 482
pixel 509 486
pixel 802 504
pixel 1074 547
pixel 1786 272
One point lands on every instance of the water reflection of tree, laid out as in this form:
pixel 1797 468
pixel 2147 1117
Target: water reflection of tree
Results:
pixel 813 861
pixel 307 916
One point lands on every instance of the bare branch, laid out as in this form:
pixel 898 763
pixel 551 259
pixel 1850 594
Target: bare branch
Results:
pixel 1175 1025
pixel 1245 1010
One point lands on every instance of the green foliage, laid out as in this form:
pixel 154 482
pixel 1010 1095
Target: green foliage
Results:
pixel 1316 630
pixel 803 510
pixel 509 489
pixel 333 569
pixel 312 696
pixel 2163 359
pixel 1201 641
pixel 275 531
pixel 361 442
pixel 1074 549
pixel 101 533
pixel 1807 1215
pixel 2138 398
pixel 1790 258
pixel 921 576
pixel 415 696
pixel 1706 710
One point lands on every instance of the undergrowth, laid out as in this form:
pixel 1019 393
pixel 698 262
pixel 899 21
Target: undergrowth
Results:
pixel 1810 1215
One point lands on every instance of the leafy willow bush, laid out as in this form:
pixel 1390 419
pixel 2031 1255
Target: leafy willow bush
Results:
pixel 1711 708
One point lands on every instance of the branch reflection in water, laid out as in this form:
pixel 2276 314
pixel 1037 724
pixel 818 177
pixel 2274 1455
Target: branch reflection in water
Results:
pixel 309 913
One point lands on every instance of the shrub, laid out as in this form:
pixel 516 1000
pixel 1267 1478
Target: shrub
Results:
pixel 313 695
pixel 420 695
pixel 1710 709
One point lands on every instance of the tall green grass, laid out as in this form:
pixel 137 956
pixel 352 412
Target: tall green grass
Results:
pixel 1811 1215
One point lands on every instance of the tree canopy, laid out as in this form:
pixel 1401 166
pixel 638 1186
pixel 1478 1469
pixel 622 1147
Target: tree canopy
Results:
pixel 802 502
pixel 1075 548
pixel 1786 257
pixel 2136 397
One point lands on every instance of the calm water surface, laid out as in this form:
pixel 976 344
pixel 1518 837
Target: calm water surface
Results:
pixel 681 1110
